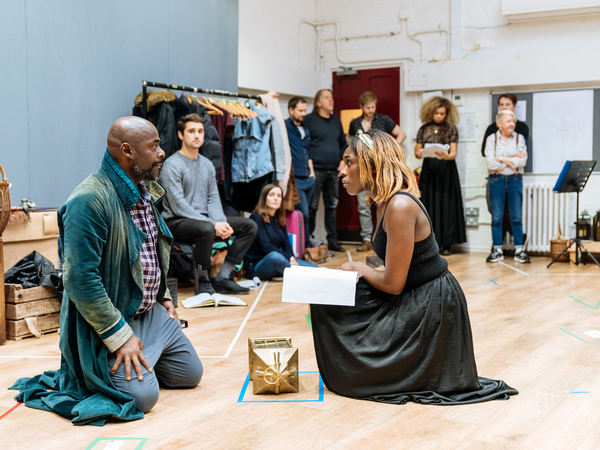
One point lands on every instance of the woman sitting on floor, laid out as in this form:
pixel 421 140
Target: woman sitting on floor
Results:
pixel 271 251
pixel 408 337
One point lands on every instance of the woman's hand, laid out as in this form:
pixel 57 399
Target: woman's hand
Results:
pixel 293 261
pixel 442 155
pixel 348 266
pixel 419 151
pixel 520 155
pixel 355 266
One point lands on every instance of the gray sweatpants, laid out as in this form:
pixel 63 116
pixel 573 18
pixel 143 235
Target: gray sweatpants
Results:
pixel 174 361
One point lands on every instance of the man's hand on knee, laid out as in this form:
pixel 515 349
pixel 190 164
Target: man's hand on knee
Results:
pixel 131 352
pixel 223 230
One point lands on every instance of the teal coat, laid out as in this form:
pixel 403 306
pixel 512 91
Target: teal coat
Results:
pixel 103 291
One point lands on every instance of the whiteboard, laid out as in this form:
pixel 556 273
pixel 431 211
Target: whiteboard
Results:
pixel 563 128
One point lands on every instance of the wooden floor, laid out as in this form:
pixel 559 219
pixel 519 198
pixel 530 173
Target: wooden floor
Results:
pixel 531 328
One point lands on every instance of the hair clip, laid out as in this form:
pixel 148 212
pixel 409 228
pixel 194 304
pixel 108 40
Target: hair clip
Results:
pixel 366 139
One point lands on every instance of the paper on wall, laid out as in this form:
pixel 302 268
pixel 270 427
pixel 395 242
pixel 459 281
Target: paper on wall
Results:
pixel 521 110
pixel 319 286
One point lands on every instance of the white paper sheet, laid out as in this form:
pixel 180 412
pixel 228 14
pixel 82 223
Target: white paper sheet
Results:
pixel 319 286
pixel 521 110
pixel 254 283
pixel 466 126
pixel 563 129
pixel 430 149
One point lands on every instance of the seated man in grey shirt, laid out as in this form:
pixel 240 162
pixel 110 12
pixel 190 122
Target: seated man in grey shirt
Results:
pixel 193 211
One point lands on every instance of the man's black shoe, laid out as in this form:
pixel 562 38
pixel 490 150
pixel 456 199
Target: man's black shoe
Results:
pixel 226 286
pixel 335 247
pixel 205 286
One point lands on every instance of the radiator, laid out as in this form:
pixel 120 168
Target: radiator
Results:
pixel 543 210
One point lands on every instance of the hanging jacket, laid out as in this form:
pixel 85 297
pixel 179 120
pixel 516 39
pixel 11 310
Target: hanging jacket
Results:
pixel 251 149
pixel 161 112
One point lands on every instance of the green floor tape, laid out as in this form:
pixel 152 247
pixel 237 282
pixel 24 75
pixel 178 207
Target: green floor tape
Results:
pixel 591 301
pixel 308 320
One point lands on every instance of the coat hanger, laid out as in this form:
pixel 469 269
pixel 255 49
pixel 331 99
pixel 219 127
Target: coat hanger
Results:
pixel 212 110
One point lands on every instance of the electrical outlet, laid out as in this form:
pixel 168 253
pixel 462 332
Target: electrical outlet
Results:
pixel 472 211
pixel 457 99
pixel 472 221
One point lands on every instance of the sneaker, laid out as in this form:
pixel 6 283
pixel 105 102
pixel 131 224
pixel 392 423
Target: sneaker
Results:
pixel 205 286
pixel 364 247
pixel 334 246
pixel 227 286
pixel 495 256
pixel 446 250
pixel 521 257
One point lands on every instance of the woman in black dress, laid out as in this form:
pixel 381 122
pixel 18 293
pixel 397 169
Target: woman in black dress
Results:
pixel 408 337
pixel 439 182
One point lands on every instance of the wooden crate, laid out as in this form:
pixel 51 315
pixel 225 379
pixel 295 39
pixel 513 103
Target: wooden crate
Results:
pixel 23 328
pixel 16 294
pixel 31 312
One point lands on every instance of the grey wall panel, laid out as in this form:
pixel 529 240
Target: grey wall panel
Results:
pixel 14 156
pixel 84 65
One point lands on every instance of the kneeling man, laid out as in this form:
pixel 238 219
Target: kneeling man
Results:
pixel 120 334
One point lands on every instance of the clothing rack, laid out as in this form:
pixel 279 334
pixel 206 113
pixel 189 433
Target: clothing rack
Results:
pixel 175 87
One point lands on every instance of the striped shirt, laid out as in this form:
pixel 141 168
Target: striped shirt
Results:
pixel 143 217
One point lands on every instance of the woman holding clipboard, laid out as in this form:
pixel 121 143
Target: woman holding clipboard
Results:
pixel 437 142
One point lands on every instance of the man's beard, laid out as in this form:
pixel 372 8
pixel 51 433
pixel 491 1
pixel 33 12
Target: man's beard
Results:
pixel 145 174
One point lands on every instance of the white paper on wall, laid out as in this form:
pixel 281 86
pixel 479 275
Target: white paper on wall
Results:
pixel 319 286
pixel 521 110
pixel 562 129
pixel 466 127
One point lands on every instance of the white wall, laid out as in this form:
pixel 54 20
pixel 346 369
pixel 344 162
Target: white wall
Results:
pixel 548 54
pixel 269 47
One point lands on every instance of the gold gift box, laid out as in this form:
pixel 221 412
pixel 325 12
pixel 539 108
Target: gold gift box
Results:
pixel 273 365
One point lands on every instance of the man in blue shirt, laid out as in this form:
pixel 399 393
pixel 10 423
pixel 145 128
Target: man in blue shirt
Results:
pixel 304 172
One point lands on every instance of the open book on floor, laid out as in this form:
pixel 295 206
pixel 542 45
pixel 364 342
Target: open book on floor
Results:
pixel 205 299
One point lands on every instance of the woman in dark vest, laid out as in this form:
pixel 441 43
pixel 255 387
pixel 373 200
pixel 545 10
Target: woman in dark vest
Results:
pixel 408 337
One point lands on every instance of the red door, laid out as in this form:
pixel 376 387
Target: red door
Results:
pixel 385 84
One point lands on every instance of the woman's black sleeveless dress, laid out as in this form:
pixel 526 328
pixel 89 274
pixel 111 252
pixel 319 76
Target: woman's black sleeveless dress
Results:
pixel 416 346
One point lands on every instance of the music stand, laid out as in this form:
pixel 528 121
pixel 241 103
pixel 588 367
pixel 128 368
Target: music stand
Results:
pixel 573 178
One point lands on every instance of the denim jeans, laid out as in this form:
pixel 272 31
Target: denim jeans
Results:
pixel 306 186
pixel 510 187
pixel 365 217
pixel 273 264
pixel 327 182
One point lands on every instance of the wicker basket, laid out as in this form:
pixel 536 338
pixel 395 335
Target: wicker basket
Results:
pixel 4 214
pixel 557 245
pixel 4 201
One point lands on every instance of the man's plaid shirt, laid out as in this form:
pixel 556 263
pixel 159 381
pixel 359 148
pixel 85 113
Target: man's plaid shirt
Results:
pixel 143 217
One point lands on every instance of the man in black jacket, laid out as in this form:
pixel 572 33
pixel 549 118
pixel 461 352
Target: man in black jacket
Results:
pixel 327 146
pixel 506 101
